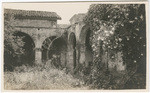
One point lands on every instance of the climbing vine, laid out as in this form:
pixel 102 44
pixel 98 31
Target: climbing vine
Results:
pixel 12 44
pixel 117 28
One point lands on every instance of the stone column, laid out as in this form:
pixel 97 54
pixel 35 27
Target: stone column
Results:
pixel 82 54
pixel 38 56
pixel 74 58
pixel 38 50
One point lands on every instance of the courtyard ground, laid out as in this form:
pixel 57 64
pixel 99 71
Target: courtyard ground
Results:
pixel 39 78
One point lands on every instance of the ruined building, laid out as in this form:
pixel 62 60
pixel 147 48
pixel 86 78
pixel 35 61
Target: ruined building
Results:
pixel 45 39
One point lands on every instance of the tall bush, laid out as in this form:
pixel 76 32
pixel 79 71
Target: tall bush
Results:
pixel 117 28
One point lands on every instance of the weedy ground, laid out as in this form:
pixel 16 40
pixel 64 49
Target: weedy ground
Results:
pixel 39 78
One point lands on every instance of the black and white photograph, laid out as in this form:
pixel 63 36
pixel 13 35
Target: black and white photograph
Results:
pixel 74 46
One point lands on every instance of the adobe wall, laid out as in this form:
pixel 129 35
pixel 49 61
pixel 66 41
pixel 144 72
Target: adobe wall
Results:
pixel 34 23
pixel 84 56
pixel 39 30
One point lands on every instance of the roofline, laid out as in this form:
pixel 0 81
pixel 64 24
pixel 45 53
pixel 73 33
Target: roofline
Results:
pixel 57 16
pixel 76 15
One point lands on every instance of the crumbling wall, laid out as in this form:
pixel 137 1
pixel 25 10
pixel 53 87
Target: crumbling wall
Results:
pixel 34 23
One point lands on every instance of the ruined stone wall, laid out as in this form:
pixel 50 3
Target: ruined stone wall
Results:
pixel 70 60
pixel 34 23
pixel 38 30
pixel 84 56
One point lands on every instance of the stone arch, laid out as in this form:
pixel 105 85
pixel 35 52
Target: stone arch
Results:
pixel 84 31
pixel 72 48
pixel 46 46
pixel 55 49
pixel 59 49
pixel 85 42
pixel 28 56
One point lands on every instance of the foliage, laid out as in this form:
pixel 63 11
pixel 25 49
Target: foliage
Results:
pixel 12 44
pixel 117 28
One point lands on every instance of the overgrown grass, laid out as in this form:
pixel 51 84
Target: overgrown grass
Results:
pixel 39 78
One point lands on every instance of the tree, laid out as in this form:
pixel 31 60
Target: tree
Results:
pixel 12 44
pixel 119 28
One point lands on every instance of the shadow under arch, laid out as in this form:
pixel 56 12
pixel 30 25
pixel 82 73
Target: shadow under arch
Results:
pixel 27 58
pixel 46 46
pixel 85 41
pixel 55 49
pixel 72 43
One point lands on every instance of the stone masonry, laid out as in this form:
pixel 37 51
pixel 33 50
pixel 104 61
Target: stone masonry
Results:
pixel 40 25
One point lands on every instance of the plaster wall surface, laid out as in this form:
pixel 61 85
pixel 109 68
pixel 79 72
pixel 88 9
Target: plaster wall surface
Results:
pixel 34 23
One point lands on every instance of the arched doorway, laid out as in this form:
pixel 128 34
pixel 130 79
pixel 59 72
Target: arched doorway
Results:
pixel 72 40
pixel 28 55
pixel 85 42
pixel 55 50
pixel 46 47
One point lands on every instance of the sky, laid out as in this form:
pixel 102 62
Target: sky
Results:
pixel 64 10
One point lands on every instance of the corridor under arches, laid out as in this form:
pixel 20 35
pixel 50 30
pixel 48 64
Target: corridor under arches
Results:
pixel 85 39
pixel 55 49
pixel 46 47
pixel 28 56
